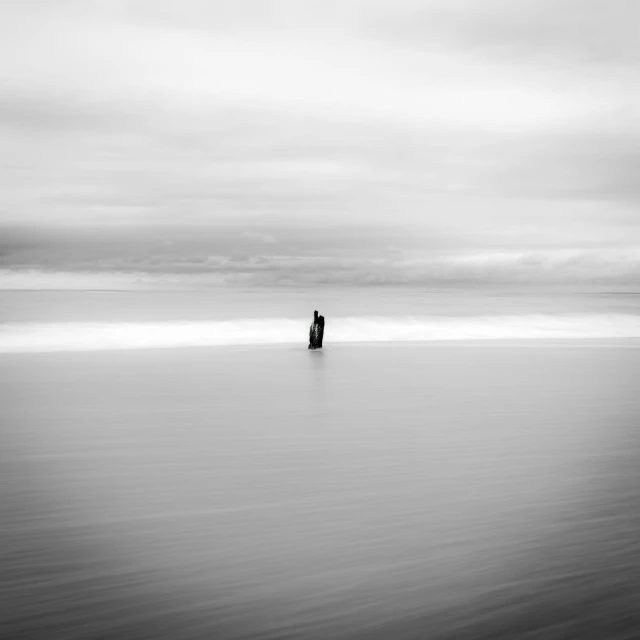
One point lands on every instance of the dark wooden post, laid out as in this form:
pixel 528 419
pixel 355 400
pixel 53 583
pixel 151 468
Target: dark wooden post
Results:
pixel 316 332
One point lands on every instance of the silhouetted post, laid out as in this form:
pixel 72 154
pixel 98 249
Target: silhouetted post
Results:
pixel 316 332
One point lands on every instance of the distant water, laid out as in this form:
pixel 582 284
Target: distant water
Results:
pixel 35 321
pixel 61 336
pixel 439 490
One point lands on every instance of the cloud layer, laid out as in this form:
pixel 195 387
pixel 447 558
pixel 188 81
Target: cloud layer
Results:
pixel 387 139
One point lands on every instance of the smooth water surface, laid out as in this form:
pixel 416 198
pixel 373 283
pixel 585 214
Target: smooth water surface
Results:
pixel 466 490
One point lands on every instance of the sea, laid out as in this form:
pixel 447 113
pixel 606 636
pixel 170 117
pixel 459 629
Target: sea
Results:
pixel 177 464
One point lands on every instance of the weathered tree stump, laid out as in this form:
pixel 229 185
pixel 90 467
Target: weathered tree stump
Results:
pixel 316 332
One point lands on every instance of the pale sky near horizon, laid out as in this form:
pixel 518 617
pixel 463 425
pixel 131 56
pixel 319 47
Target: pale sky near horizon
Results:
pixel 398 141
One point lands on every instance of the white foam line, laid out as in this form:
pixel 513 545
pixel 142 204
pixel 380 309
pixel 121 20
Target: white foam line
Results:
pixel 80 336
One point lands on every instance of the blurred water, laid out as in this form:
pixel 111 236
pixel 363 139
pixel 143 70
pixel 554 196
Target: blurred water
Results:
pixel 98 320
pixel 225 303
pixel 105 336
pixel 394 491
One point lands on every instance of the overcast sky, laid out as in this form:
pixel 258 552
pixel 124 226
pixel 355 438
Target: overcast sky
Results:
pixel 342 141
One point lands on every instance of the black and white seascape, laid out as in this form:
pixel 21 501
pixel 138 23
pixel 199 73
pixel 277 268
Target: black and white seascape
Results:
pixel 319 319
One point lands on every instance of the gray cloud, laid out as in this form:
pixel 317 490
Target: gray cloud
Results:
pixel 583 32
pixel 333 256
pixel 283 131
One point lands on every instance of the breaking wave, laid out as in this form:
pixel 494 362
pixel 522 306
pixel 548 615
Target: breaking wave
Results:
pixel 83 336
